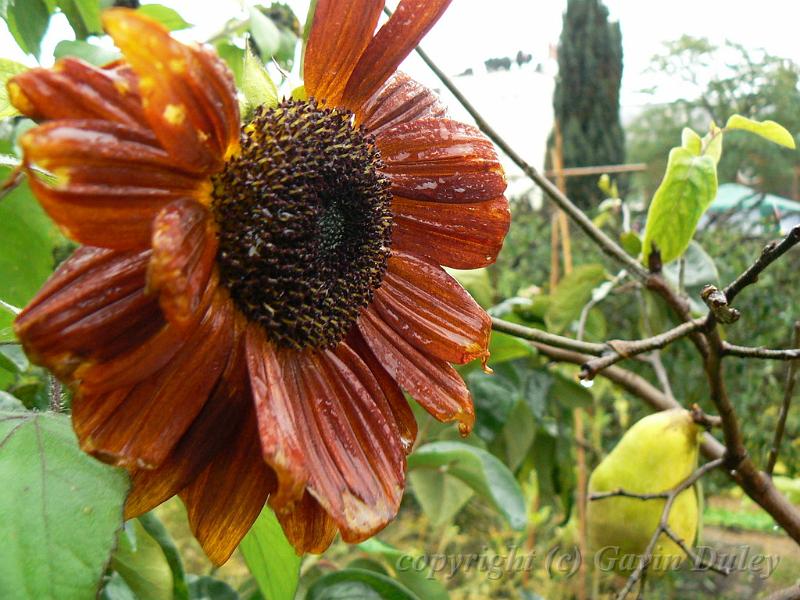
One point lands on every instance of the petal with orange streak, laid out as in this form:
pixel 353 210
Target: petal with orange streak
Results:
pixel 462 236
pixel 188 94
pixel 184 249
pixel 92 308
pixel 139 426
pixel 432 382
pixel 431 311
pixel 73 89
pixel 400 100
pixel 103 183
pixel 395 39
pixel 223 417
pixel 307 527
pixel 339 34
pixel 442 160
pixel 224 501
pixel 345 445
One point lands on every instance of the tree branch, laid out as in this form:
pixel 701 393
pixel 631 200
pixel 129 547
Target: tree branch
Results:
pixel 538 335
pixel 760 352
pixel 791 378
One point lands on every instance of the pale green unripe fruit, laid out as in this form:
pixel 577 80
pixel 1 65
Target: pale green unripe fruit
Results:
pixel 655 455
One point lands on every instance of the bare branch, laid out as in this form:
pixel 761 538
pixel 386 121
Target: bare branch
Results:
pixel 537 335
pixel 760 352
pixel 771 252
pixel 791 378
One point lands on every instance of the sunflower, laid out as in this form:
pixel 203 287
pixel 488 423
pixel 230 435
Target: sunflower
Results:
pixel 250 302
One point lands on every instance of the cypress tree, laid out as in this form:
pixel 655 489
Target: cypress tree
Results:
pixel 586 97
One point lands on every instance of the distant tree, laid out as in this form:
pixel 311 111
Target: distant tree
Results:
pixel 721 81
pixel 586 98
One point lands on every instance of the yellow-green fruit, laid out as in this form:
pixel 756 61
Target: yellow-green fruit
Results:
pixel 655 455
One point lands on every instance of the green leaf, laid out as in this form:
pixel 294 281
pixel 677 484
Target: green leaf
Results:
pixel 481 471
pixel 83 17
pixel 571 295
pixel 518 434
pixel 28 21
pixel 208 588
pixel 257 86
pixel 631 242
pixel 420 581
pixel 691 141
pixel 440 496
pixel 569 393
pixel 265 33
pixel 168 17
pixel 13 359
pixel 141 563
pixel 233 57
pixel 155 528
pixel 769 130
pixel 8 68
pixel 271 558
pixel 687 190
pixel 494 397
pixel 358 584
pixel 61 510
pixel 86 51
pixel 9 403
pixel 26 254
pixel 712 142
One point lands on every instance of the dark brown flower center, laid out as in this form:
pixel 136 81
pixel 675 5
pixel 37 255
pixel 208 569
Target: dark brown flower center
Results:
pixel 304 223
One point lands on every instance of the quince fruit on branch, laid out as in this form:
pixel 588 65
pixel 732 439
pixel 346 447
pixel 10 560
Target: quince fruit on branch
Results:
pixel 654 456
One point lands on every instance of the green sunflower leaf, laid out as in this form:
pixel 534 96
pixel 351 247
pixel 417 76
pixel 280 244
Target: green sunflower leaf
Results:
pixel 8 68
pixel 86 51
pixel 168 17
pixel 83 17
pixel 141 563
pixel 358 583
pixel 28 21
pixel 480 470
pixel 271 558
pixel 61 510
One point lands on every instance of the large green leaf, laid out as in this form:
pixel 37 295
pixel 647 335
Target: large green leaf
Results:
pixel 26 253
pixel 481 471
pixel 441 496
pixel 769 130
pixel 8 68
pixel 571 295
pixel 60 510
pixel 141 563
pixel 358 584
pixel 687 190
pixel 83 17
pixel 271 558
pixel 27 21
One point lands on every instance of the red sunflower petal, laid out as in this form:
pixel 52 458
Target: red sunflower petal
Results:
pixel 138 426
pixel 188 95
pixel 341 442
pixel 184 249
pixel 400 100
pixel 73 89
pixel 395 39
pixel 462 236
pixel 92 308
pixel 339 34
pixel 431 311
pixel 403 415
pixel 307 527
pixel 432 382
pixel 224 501
pixel 108 180
pixel 223 417
pixel 441 159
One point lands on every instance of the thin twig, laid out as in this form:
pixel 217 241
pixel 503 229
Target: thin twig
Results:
pixel 622 349
pixel 620 493
pixel 663 526
pixel 791 379
pixel 769 254
pixel 537 335
pixel 760 352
